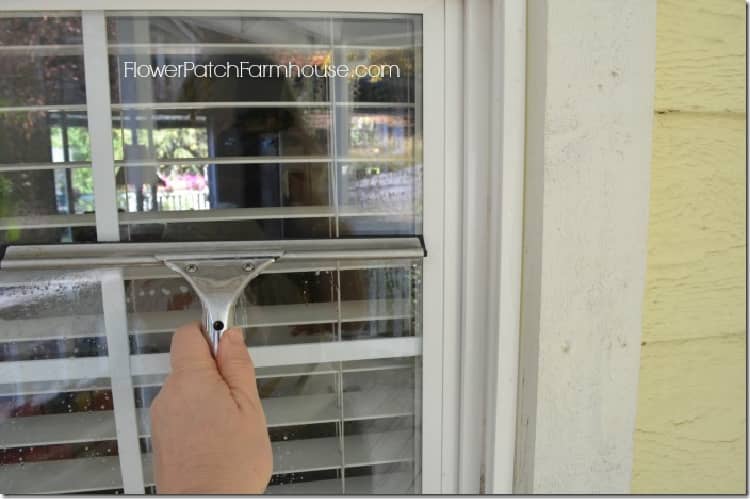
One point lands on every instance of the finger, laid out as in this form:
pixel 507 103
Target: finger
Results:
pixel 236 367
pixel 190 350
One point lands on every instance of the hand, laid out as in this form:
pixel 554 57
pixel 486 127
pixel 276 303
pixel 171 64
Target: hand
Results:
pixel 207 424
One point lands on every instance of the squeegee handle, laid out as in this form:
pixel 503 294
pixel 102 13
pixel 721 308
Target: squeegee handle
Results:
pixel 212 329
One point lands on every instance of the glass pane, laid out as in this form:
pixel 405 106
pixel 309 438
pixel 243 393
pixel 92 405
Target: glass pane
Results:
pixel 216 28
pixel 46 184
pixel 46 180
pixel 375 133
pixel 379 187
pixel 40 29
pixel 385 75
pixel 236 132
pixel 231 230
pixel 57 430
pixel 202 103
pixel 41 61
pixel 131 71
pixel 287 307
pixel 324 419
pixel 335 428
pixel 209 186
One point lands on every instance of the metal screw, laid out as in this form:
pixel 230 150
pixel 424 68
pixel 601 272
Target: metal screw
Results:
pixel 248 267
pixel 191 267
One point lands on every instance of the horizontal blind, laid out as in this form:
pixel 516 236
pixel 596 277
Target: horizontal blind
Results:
pixel 337 345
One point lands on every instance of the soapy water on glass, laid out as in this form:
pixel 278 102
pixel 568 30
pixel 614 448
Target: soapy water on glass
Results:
pixel 61 301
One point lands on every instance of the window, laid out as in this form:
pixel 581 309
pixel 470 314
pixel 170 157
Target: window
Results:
pixel 338 344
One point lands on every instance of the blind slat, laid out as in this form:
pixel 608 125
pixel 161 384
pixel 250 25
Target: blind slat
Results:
pixel 47 221
pixel 84 326
pixel 220 48
pixel 292 456
pixel 226 214
pixel 29 373
pixel 194 216
pixel 62 476
pixel 77 385
pixel 92 426
pixel 196 105
pixel 281 267
pixel 382 483
pixel 15 167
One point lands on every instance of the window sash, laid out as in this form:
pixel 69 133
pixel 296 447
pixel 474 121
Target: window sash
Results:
pixel 432 11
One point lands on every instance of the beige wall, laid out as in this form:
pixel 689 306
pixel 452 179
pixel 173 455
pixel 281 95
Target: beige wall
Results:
pixel 690 431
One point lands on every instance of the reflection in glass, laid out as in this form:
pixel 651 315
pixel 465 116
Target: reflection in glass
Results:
pixel 191 143
pixel 396 84
pixel 44 140
pixel 231 230
pixel 379 187
pixel 47 29
pixel 375 133
pixel 218 29
pixel 278 87
pixel 27 80
pixel 41 61
pixel 190 187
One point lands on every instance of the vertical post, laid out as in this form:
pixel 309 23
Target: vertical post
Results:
pixel 507 107
pixel 475 239
pixel 333 139
pixel 123 398
pixel 98 106
pixel 433 284
pixel 452 253
pixel 589 112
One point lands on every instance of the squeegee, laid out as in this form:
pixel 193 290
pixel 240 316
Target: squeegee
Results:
pixel 217 271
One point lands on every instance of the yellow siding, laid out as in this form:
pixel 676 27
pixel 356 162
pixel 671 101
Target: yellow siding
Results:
pixel 690 430
pixel 700 55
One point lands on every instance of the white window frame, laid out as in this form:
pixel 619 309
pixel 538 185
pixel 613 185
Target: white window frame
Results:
pixel 473 53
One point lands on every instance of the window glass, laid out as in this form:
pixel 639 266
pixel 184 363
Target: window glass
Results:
pixel 46 184
pixel 57 430
pixel 292 154
pixel 215 158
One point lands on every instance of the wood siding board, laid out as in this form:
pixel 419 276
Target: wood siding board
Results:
pixel 690 429
pixel 696 262
pixel 700 55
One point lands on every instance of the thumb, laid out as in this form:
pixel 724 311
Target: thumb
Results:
pixel 237 368
pixel 189 350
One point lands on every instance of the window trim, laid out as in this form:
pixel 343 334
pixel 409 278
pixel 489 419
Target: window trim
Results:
pixel 490 38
